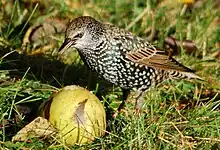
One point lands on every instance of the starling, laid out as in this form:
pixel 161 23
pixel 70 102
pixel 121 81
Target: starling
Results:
pixel 122 58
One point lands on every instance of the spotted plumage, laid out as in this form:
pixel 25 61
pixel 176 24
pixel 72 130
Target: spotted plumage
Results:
pixel 121 57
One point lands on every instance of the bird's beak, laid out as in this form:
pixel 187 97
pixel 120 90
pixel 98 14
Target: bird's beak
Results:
pixel 66 44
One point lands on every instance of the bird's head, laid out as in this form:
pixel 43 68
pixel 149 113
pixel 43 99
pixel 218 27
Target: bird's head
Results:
pixel 82 33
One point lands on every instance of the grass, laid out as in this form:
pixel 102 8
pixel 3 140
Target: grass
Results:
pixel 176 115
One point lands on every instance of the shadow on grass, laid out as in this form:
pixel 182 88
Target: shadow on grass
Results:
pixel 52 72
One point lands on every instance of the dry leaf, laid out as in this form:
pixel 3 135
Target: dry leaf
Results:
pixel 40 36
pixel 48 28
pixel 172 46
pixel 39 127
pixel 189 46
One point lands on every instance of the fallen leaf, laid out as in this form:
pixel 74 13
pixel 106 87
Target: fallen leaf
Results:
pixel 172 46
pixel 189 46
pixel 38 128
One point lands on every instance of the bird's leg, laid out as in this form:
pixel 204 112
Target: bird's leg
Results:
pixel 139 101
pixel 124 98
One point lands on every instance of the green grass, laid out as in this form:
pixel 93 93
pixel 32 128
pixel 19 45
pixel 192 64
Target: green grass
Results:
pixel 176 114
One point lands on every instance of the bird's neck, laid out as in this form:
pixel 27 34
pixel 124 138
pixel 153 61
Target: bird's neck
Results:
pixel 88 58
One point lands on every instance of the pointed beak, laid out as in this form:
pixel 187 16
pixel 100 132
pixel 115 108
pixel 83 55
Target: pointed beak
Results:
pixel 66 44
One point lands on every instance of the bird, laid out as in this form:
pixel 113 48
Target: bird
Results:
pixel 122 58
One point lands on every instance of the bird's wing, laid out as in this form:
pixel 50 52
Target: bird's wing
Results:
pixel 153 57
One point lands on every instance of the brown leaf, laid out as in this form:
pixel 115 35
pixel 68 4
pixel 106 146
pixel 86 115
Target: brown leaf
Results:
pixel 172 46
pixel 189 46
pixel 48 28
pixel 41 36
pixel 39 127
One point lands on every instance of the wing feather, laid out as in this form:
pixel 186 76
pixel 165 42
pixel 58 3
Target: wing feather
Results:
pixel 141 52
pixel 155 58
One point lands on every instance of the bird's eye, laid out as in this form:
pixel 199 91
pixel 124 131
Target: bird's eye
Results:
pixel 79 35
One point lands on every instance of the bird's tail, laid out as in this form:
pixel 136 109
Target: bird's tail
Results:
pixel 179 75
pixel 192 75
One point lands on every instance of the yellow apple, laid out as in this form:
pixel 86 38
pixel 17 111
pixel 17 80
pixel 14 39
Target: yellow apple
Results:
pixel 78 115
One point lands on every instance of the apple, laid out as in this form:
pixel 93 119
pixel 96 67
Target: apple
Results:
pixel 77 114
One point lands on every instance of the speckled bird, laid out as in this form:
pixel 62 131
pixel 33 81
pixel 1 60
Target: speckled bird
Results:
pixel 122 58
